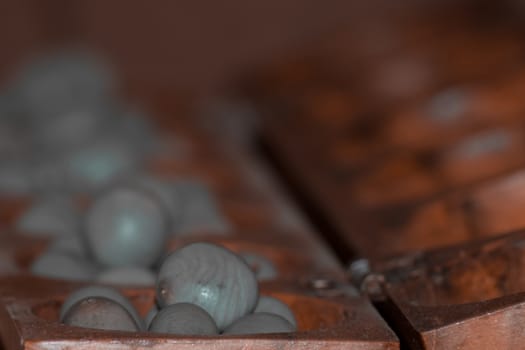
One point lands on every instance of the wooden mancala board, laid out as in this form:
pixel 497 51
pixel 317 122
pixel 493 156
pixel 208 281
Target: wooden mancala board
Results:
pixel 330 313
pixel 370 170
pixel 469 296
pixel 420 189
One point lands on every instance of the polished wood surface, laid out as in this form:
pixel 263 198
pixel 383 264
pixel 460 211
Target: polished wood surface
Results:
pixel 330 312
pixel 397 129
pixel 469 296
pixel 29 321
pixel 409 151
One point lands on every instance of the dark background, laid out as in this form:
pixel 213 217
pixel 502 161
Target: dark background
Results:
pixel 198 46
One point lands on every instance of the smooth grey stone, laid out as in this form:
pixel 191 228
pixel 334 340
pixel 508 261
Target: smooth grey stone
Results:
pixel 183 319
pixel 8 107
pixel 96 165
pixel 263 268
pixel 260 323
pixel 137 129
pixel 48 175
pixel 150 315
pixel 128 276
pixel 13 141
pixel 61 81
pixel 275 306
pixel 73 128
pixel 211 277
pixel 199 209
pixel 63 266
pixel 126 227
pixel 162 190
pixel 100 313
pixel 72 244
pixel 100 291
pixel 190 205
pixel 15 178
pixel 50 215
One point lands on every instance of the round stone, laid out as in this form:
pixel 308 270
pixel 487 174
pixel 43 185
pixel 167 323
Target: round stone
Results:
pixel 183 319
pixel 199 210
pixel 263 268
pixel 100 313
pixel 260 323
pixel 50 215
pixel 275 306
pixel 211 277
pixel 61 265
pixel 15 178
pixel 96 165
pixel 126 227
pixel 55 83
pixel 104 292
pixel 72 244
pixel 151 315
pixel 162 190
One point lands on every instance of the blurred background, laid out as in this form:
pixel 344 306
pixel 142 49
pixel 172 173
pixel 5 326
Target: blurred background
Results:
pixel 337 135
pixel 393 90
pixel 196 46
pixel 359 73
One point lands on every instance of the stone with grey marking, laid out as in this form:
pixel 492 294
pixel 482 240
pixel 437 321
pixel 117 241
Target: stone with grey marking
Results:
pixel 211 277
pixel 183 319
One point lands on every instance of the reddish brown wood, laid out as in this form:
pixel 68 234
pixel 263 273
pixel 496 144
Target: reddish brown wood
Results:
pixel 301 259
pixel 411 176
pixel 28 320
pixel 469 296
pixel 350 130
pixel 408 201
pixel 490 208
pixel 485 103
pixel 398 56
pixel 197 155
